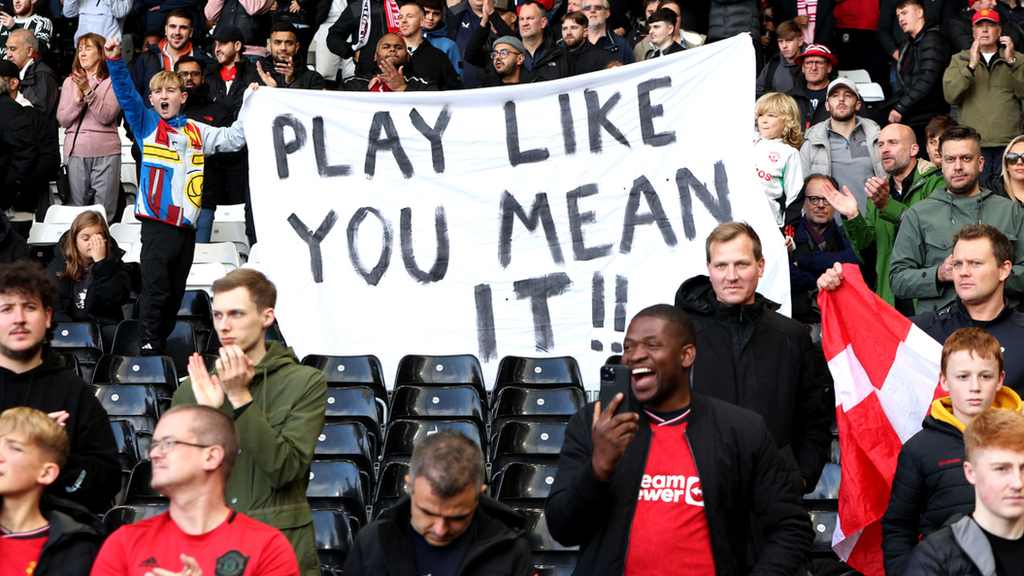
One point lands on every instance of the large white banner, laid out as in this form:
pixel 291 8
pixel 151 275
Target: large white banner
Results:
pixel 531 220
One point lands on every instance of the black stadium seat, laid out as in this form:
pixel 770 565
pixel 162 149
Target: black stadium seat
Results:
pixel 80 339
pixel 390 487
pixel 824 524
pixel 197 309
pixel 442 370
pixel 127 446
pixel 534 405
pixel 538 372
pixel 180 344
pixel 338 485
pixel 129 514
pixel 403 435
pixel 333 537
pixel 135 403
pixel 828 485
pixel 530 442
pixel 432 402
pixel 355 404
pixel 347 440
pixel 139 489
pixel 156 371
pixel 546 550
pixel 521 481
pixel 70 362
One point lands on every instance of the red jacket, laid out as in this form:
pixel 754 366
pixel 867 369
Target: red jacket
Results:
pixel 857 14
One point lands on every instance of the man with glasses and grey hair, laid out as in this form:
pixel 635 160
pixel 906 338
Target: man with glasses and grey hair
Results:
pixel 446 525
pixel 194 449
pixel 601 36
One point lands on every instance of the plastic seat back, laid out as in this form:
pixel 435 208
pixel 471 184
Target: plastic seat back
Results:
pixel 442 370
pixel 434 402
pixel 526 482
pixel 828 485
pixel 347 440
pixel 333 537
pixel 391 487
pixel 139 489
pixel 180 344
pixel 76 335
pixel 127 446
pixel 156 371
pixel 338 485
pixel 346 370
pixel 129 514
pixel 536 372
pixel 546 550
pixel 135 403
pixel 537 442
pixel 403 435
pixel 542 402
pixel 357 403
pixel 824 524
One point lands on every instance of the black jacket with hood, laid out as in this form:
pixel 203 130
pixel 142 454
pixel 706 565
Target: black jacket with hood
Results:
pixel 929 486
pixel 753 357
pixel 499 545
pixel 92 475
pixel 923 61
pixel 73 540
pixel 589 58
pixel 741 476
pixel 109 287
pixel 960 548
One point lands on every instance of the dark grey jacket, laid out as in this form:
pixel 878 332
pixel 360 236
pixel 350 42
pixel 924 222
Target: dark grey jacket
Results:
pixel 958 549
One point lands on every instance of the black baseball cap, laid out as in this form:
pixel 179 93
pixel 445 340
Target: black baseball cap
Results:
pixel 227 34
pixel 9 69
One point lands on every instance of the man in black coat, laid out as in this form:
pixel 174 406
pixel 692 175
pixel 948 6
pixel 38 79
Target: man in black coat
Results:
pixel 676 477
pixel 588 58
pixel 32 195
pixel 392 73
pixel 446 525
pixel 427 62
pixel 545 60
pixel 39 82
pixel 18 149
pixel 32 375
pixel 922 62
pixel 988 541
pixel 285 67
pixel 754 357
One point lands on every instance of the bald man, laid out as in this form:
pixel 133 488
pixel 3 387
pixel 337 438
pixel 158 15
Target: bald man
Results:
pixel 910 181
pixel 392 72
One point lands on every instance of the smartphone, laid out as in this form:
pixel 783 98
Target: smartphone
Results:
pixel 615 379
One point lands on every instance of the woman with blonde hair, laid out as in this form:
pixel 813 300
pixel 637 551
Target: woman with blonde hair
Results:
pixel 1013 171
pixel 88 111
pixel 92 278
pixel 777 153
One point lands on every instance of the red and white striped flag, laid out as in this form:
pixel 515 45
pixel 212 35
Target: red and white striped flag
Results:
pixel 885 370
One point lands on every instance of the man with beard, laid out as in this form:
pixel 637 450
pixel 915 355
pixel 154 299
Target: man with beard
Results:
pixel 507 61
pixel 673 484
pixel 574 37
pixel 810 88
pixel 819 243
pixel 846 147
pixel 874 232
pixel 427 61
pixel 286 68
pixel 922 262
pixel 162 56
pixel 23 18
pixel 201 107
pixel 392 73
pixel 32 375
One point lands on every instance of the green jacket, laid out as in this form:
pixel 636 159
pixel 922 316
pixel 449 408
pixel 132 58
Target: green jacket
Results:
pixel 279 430
pixel 987 97
pixel 926 239
pixel 877 229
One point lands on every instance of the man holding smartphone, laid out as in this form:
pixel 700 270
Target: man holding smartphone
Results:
pixel 986 82
pixel 671 489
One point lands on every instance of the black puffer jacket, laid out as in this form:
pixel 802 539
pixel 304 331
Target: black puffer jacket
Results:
pixel 891 36
pixel 92 474
pixel 109 288
pixel 930 485
pixel 919 72
pixel 588 58
pixel 499 545
pixel 731 17
pixel 73 541
pixel 753 357
pixel 1007 327
pixel 19 152
pixel 741 476
pixel 960 548
pixel 553 63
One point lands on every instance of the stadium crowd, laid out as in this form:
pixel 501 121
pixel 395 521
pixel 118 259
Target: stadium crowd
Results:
pixel 704 465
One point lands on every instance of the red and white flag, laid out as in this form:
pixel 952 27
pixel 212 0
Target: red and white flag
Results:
pixel 885 370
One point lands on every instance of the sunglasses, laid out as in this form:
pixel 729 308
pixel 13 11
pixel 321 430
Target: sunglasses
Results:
pixel 1013 158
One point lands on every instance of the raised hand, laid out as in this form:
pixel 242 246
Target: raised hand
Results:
pixel 877 190
pixel 844 202
pixel 235 371
pixel 265 77
pixel 611 435
pixel 832 278
pixel 60 417
pixel 393 77
pixel 112 49
pixel 205 387
pixel 97 247
pixel 191 569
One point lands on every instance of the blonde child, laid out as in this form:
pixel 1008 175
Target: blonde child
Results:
pixel 777 152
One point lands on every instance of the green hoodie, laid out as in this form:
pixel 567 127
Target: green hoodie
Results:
pixel 279 431
pixel 878 229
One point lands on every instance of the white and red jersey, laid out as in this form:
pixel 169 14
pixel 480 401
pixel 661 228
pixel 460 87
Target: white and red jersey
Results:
pixel 780 171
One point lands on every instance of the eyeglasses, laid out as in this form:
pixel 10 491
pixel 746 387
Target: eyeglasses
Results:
pixel 815 200
pixel 1013 158
pixel 590 7
pixel 166 446
pixel 815 63
pixel 186 74
pixel 503 53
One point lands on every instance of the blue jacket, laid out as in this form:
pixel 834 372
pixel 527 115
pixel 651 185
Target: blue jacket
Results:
pixel 173 154
pixel 439 39
pixel 150 62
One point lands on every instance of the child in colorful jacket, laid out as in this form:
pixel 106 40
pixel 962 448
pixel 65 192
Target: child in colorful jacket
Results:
pixel 170 189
